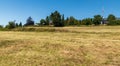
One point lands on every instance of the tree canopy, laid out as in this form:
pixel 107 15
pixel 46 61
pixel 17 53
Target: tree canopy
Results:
pixel 111 17
pixel 58 20
pixel 29 22
pixel 97 19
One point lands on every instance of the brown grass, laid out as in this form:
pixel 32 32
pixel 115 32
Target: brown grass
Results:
pixel 80 46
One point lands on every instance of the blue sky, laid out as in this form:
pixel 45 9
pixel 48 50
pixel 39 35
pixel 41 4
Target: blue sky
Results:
pixel 20 10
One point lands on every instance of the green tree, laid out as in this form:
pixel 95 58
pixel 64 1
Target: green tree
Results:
pixel 66 23
pixel 114 22
pixel 71 20
pixel 87 21
pixel 29 22
pixel 63 20
pixel 1 26
pixel 47 20
pixel 80 22
pixel 111 17
pixel 118 22
pixel 11 25
pixel 42 22
pixel 20 24
pixel 16 25
pixel 97 19
pixel 76 22
pixel 56 19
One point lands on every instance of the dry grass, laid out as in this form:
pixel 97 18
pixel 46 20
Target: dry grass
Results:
pixel 79 46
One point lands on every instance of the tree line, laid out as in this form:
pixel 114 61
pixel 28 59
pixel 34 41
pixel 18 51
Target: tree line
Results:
pixel 57 20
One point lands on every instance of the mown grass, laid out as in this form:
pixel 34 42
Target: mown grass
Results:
pixel 74 46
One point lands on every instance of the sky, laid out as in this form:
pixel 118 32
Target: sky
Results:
pixel 20 10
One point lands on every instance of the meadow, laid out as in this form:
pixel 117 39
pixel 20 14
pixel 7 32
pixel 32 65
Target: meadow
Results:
pixel 66 46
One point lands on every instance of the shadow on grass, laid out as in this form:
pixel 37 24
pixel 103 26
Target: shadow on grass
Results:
pixel 6 43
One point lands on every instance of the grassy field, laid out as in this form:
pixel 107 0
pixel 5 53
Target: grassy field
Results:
pixel 74 46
